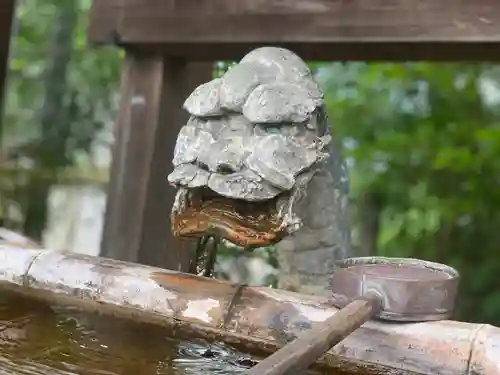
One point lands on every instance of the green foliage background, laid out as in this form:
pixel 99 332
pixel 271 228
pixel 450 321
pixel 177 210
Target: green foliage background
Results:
pixel 422 141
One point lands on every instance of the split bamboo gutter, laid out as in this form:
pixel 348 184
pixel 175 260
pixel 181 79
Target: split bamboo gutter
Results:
pixel 258 319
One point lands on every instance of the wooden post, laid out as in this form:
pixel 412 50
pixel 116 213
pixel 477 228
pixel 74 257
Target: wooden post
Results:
pixel 137 219
pixel 6 20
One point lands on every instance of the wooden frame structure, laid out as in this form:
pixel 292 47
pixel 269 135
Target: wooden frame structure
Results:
pixel 163 38
pixel 315 29
pixel 170 47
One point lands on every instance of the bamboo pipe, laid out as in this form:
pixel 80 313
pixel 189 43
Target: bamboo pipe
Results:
pixel 254 318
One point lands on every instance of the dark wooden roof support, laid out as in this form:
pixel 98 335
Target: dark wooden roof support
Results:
pixel 315 29
pixel 137 224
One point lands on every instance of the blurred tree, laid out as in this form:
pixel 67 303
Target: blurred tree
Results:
pixel 423 143
pixel 50 150
pixel 61 94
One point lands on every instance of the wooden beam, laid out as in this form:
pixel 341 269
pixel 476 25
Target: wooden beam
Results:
pixel 316 29
pixel 6 20
pixel 137 219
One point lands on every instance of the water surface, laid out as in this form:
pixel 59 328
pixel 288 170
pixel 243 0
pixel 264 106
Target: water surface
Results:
pixel 37 339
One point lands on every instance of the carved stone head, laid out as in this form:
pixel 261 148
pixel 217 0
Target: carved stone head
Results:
pixel 255 138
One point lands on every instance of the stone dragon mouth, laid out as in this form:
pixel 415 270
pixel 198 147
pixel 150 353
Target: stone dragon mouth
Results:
pixel 251 145
pixel 247 224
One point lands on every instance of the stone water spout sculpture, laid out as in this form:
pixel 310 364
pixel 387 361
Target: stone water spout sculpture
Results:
pixel 256 164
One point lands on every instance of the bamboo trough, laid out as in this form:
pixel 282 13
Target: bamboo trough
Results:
pixel 256 319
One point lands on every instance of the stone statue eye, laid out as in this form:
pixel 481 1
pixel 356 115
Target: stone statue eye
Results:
pixel 225 169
